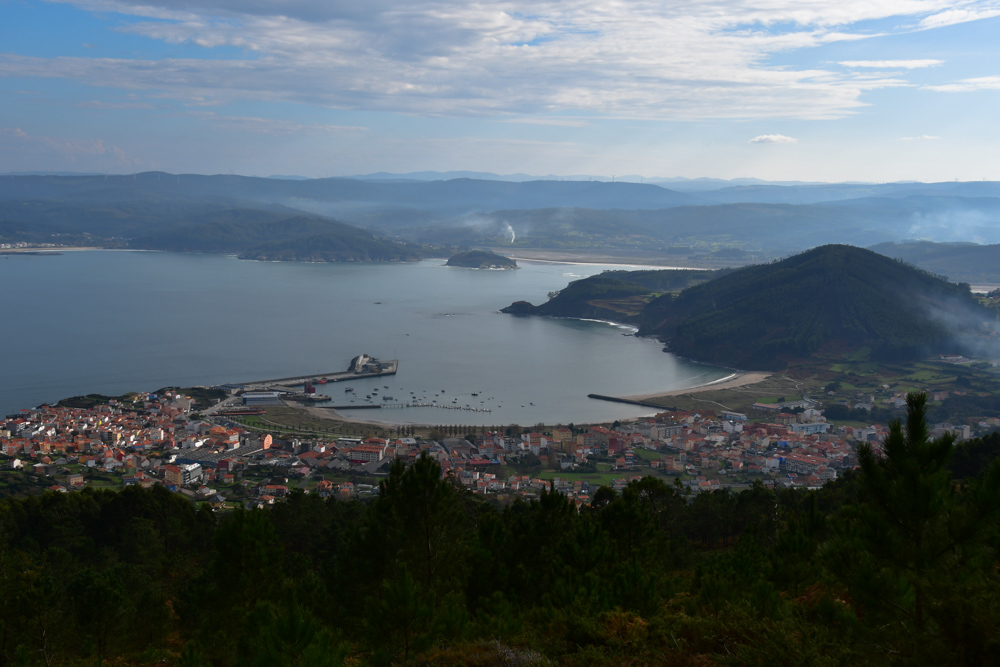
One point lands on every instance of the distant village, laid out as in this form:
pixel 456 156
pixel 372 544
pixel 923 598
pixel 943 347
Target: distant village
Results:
pixel 158 439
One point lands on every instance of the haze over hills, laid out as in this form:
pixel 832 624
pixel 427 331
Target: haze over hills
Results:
pixel 675 183
pixel 340 193
pixel 832 301
pixel 295 238
pixel 761 221
pixel 968 262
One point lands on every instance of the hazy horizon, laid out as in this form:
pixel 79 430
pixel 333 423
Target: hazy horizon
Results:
pixel 423 175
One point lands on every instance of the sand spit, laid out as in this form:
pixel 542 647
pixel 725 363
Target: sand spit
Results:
pixel 740 379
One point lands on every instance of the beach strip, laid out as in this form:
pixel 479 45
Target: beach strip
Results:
pixel 740 379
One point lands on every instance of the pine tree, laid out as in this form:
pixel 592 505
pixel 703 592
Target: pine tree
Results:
pixel 918 533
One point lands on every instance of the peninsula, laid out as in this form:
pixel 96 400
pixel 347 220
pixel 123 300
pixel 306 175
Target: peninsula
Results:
pixel 481 259
pixel 828 302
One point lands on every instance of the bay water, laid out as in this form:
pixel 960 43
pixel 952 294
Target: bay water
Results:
pixel 111 322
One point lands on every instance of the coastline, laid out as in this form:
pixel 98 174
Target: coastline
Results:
pixel 605 261
pixel 652 261
pixel 738 379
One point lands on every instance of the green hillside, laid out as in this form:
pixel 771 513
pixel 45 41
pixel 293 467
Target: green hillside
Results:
pixel 619 296
pixel 830 300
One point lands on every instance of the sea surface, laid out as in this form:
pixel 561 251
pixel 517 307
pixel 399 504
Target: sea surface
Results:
pixel 111 322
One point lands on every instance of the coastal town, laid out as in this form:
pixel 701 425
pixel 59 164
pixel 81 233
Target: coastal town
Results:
pixel 145 439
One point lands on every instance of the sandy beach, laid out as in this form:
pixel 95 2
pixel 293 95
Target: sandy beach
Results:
pixel 740 379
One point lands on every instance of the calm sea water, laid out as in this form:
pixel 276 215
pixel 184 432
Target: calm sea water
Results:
pixel 112 322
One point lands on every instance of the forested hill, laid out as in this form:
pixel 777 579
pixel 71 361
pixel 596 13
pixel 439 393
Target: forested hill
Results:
pixel 619 296
pixel 834 299
pixel 260 235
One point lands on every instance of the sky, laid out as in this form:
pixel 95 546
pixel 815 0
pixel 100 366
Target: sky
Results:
pixel 818 90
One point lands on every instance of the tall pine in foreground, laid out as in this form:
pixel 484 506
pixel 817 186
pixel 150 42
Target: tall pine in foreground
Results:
pixel 917 550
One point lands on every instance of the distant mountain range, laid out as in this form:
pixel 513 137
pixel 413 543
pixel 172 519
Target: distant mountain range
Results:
pixel 831 301
pixel 737 223
pixel 968 262
pixel 676 182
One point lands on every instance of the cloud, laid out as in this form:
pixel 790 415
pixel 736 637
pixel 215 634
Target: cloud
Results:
pixel 891 64
pixel 70 148
pixel 15 143
pixel 453 58
pixel 954 16
pixel 922 137
pixel 773 139
pixel 968 85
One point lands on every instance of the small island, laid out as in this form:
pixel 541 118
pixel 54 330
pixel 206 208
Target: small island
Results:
pixel 481 259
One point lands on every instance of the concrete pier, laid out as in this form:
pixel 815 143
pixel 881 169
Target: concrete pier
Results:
pixel 385 368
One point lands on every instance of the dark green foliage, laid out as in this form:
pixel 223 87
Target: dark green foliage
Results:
pixel 894 564
pixel 832 299
pixel 960 408
pixel 974 457
pixel 914 550
pixel 287 635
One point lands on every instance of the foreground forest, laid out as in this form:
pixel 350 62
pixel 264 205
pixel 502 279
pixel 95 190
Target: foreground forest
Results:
pixel 894 564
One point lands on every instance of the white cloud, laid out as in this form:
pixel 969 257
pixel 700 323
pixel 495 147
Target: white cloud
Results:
pixel 450 57
pixel 969 85
pixel 773 139
pixel 16 142
pixel 960 15
pixel 891 64
pixel 922 137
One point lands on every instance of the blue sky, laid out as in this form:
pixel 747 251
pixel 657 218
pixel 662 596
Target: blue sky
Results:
pixel 782 89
